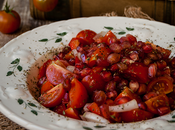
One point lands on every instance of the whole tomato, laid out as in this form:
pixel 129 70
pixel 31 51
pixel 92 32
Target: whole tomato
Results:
pixel 9 20
pixel 45 5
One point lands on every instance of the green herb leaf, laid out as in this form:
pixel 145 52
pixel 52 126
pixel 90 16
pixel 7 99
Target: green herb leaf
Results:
pixel 58 40
pixel 173 116
pixel 34 112
pixel 121 33
pixel 171 121
pixel 174 38
pixel 20 101
pixel 87 128
pixel 16 61
pixel 9 73
pixel 99 126
pixel 43 40
pixel 62 34
pixel 130 29
pixel 109 28
pixel 19 68
pixel 32 104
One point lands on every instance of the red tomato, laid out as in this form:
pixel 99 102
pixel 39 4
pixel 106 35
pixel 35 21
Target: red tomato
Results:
pixel 122 100
pixel 72 113
pixel 154 103
pixel 110 38
pixel 74 43
pixel 42 69
pixel 99 56
pixel 93 82
pixel 77 94
pixel 60 109
pixel 45 5
pixel 9 20
pixel 46 87
pixel 128 93
pixel 131 39
pixel 138 72
pixel 135 115
pixel 86 36
pixel 93 107
pixel 52 97
pixel 69 55
pixel 56 74
pixel 160 85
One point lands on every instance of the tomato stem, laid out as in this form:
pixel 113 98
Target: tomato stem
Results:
pixel 8 10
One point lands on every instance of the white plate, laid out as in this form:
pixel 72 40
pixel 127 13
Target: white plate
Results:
pixel 17 103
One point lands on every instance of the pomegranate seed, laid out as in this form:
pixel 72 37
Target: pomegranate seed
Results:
pixel 134 56
pixel 134 85
pixel 107 76
pixel 114 67
pixel 122 66
pixel 112 94
pixel 142 105
pixel 147 48
pixel 99 97
pixel 149 95
pixel 115 47
pixel 152 56
pixel 127 61
pixel 113 58
pixel 111 86
pixel 163 110
pixel 147 61
pixel 125 45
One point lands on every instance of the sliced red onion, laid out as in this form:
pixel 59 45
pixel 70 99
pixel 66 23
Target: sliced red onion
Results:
pixel 76 53
pixel 85 109
pixel 70 68
pixel 89 116
pixel 124 107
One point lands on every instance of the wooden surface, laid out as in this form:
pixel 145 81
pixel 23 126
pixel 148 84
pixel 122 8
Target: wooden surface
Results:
pixel 27 23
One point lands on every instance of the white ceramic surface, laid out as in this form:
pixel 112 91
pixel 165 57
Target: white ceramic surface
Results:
pixel 16 101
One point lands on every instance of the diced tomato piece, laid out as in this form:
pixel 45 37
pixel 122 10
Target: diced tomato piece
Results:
pixel 86 36
pixel 154 103
pixel 135 115
pixel 128 93
pixel 74 43
pixel 138 72
pixel 78 95
pixel 72 113
pixel 53 97
pixel 109 38
pixel 93 82
pixel 104 108
pixel 93 107
pixel 46 87
pixel 160 85
pixel 42 69
pixel 69 55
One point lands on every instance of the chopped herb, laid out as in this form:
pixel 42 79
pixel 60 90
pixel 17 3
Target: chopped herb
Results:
pixel 58 40
pixel 130 29
pixel 109 28
pixel 171 121
pixel 121 33
pixel 99 126
pixel 62 34
pixel 34 112
pixel 43 40
pixel 173 116
pixel 87 128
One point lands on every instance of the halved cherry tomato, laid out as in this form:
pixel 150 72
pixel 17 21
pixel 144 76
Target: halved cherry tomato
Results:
pixel 60 109
pixel 52 97
pixel 109 38
pixel 128 93
pixel 93 107
pixel 57 74
pixel 78 95
pixel 102 54
pixel 86 36
pixel 46 87
pixel 72 113
pixel 42 69
pixel 93 82
pixel 138 72
pixel 154 103
pixel 135 115
pixel 160 85
pixel 74 43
